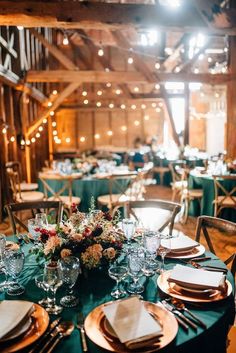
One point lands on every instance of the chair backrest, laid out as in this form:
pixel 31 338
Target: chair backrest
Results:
pixel 176 169
pixel 14 210
pixel 14 181
pixel 227 228
pixel 65 188
pixel 227 191
pixel 15 166
pixel 154 214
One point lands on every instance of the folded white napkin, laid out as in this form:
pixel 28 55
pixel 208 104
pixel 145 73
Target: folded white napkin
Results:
pixel 12 312
pixel 182 243
pixel 196 278
pixel 132 323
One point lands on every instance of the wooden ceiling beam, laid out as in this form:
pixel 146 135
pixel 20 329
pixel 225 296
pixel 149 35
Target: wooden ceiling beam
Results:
pixel 54 51
pixel 60 98
pixel 125 76
pixel 97 15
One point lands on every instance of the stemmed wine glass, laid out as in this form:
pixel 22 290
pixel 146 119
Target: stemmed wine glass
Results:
pixel 128 226
pixel 41 219
pixel 68 272
pixel 34 225
pixel 14 262
pixel 2 250
pixel 52 282
pixel 164 248
pixel 135 266
pixel 45 302
pixel 118 273
pixel 151 244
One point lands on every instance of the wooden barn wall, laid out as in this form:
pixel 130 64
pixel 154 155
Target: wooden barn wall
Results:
pixel 94 126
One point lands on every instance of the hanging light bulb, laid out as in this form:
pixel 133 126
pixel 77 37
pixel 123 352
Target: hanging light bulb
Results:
pixel 27 142
pixel 37 135
pixel 136 89
pixel 98 104
pixel 67 139
pixel 82 139
pixel 4 130
pixel 99 92
pixel 133 106
pixel 154 105
pixel 143 106
pixel 123 106
pixel 130 60
pixel 160 104
pixel 54 132
pixel 118 91
pixel 109 133
pixel 97 136
pixel 33 139
pixel 40 128
pixel 157 86
pixel 146 117
pixel 108 84
pixel 84 93
pixel 45 120
pixel 124 128
pixel 12 139
pixel 54 123
pixel 49 104
pixel 54 92
pixel 136 123
pixel 86 101
pixel 111 105
pixel 52 113
pixel 157 65
pixel 158 110
pixel 22 142
pixel 65 40
pixel 100 52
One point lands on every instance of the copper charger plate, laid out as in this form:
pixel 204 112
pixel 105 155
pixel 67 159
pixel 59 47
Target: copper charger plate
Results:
pixel 40 321
pixel 197 251
pixel 95 328
pixel 175 291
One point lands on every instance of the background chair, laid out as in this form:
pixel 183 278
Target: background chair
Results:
pixel 17 194
pixel 15 212
pixel 159 168
pixel 15 166
pixel 226 239
pixel 178 183
pixel 154 214
pixel 225 195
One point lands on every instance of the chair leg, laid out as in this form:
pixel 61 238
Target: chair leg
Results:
pixel 161 178
pixel 173 195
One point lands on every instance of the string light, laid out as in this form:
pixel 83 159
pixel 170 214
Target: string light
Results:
pixel 52 113
pixel 40 128
pixel 130 60
pixel 133 106
pixel 154 105
pixel 99 93
pixel 109 133
pixel 54 123
pixel 82 139
pixel 123 106
pixel 33 139
pixel 196 70
pixel 201 57
pixel 97 136
pixel 54 132
pixel 118 91
pixel 225 49
pixel 136 123
pixel 98 104
pixel 67 140
pixel 157 65
pixel 49 104
pixel 65 40
pixel 160 104
pixel 136 89
pixel 224 70
pixel 143 106
pixel 124 128
pixel 158 110
pixel 146 117
pixel 22 142
pixel 177 69
pixel 12 139
pixel 37 135
pixel 20 28
pixel 4 130
pixel 157 86
pixel 45 120
pixel 27 142
pixel 58 141
pixel 217 95
pixel 111 105
pixel 108 84
pixel 100 52
pixel 209 59
pixel 84 93
pixel 86 101
pixel 54 92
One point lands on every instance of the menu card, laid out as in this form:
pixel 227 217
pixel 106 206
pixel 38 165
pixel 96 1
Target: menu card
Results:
pixel 12 312
pixel 196 278
pixel 131 321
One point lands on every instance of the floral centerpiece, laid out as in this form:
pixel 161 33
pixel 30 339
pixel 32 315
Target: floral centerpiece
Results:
pixel 94 238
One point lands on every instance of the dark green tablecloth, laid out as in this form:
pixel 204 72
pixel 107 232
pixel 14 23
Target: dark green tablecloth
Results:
pixel 95 291
pixel 198 181
pixel 86 188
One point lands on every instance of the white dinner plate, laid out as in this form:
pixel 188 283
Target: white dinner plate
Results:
pixel 195 252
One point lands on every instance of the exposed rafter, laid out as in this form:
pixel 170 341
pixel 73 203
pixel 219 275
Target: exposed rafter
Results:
pixel 97 15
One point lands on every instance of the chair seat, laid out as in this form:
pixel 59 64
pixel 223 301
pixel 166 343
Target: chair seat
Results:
pixel 67 201
pixel 105 200
pixel 193 193
pixel 28 196
pixel 226 201
pixel 179 184
pixel 28 186
pixel 161 169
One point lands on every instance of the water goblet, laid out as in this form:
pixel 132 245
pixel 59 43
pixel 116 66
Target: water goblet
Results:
pixel 128 226
pixel 45 302
pixel 164 248
pixel 69 268
pixel 151 244
pixel 2 250
pixel 52 282
pixel 118 273
pixel 14 262
pixel 34 225
pixel 135 267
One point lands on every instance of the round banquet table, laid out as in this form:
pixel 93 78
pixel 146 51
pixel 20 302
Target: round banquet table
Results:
pixel 198 180
pixel 95 290
pixel 86 188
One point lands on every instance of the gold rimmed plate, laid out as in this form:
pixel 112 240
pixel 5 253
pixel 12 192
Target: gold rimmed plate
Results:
pixel 197 251
pixel 40 321
pixel 99 331
pixel 179 292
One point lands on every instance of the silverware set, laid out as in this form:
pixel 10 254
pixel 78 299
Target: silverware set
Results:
pixel 195 263
pixel 80 326
pixel 178 308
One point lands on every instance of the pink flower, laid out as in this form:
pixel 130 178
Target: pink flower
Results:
pixel 51 244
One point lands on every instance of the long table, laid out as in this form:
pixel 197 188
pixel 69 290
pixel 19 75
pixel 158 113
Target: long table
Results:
pixel 95 290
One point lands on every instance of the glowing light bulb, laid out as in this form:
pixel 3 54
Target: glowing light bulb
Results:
pixel 177 69
pixel 123 106
pixel 99 93
pixel 54 132
pixel 12 139
pixel 54 92
pixel 158 110
pixel 146 117
pixel 54 123
pixel 118 91
pixel 27 142
pixel 130 60
pixel 33 139
pixel 65 40
pixel 40 128
pixel 86 101
pixel 133 106
pixel 209 59
pixel 136 123
pixel 124 128
pixel 109 133
pixel 22 142
pixel 154 105
pixel 98 104
pixel 157 65
pixel 52 113
pixel 157 86
pixel 67 139
pixel 97 136
pixel 196 70
pixel 82 139
pixel 4 130
pixel 111 105
pixel 100 52
pixel 45 121
pixel 143 106
pixel 49 104
pixel 160 104
pixel 136 89
pixel 37 135
pixel 84 93
pixel 108 84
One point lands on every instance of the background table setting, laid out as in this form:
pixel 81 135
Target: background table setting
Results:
pixel 59 283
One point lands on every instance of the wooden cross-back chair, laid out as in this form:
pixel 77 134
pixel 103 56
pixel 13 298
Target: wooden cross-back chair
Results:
pixel 15 210
pixel 146 211
pixel 15 166
pixel 131 189
pixel 204 223
pixel 177 173
pixel 64 194
pixel 19 195
pixel 225 197
pixel 160 169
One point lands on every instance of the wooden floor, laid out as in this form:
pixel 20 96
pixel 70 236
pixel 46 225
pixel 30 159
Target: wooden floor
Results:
pixel 164 193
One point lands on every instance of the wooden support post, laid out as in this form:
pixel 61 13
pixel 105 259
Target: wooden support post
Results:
pixel 50 139
pixel 28 163
pixel 186 115
pixel 231 103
